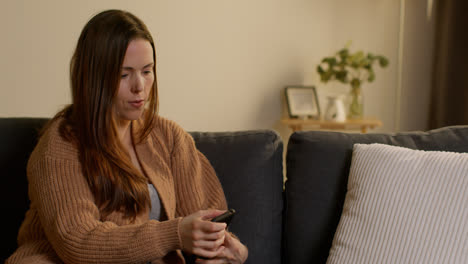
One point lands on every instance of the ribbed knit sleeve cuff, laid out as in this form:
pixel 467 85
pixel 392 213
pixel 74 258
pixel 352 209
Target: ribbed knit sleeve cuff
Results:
pixel 168 237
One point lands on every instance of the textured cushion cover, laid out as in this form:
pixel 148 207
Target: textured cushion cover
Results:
pixel 404 206
pixel 318 165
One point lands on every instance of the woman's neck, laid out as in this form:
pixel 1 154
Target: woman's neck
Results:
pixel 124 131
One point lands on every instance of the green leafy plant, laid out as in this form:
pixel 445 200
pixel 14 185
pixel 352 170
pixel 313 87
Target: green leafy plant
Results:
pixel 351 68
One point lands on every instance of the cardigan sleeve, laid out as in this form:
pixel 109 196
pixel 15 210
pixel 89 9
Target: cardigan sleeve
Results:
pixel 71 219
pixel 197 186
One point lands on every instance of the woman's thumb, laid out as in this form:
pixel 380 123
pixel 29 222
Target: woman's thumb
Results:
pixel 211 213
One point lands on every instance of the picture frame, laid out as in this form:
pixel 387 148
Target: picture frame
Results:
pixel 302 101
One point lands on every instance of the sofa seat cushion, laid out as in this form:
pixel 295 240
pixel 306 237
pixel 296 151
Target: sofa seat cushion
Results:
pixel 404 206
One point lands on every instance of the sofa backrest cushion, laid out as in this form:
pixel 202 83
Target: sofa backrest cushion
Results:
pixel 18 139
pixel 318 164
pixel 249 166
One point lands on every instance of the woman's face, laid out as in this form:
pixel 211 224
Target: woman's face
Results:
pixel 136 80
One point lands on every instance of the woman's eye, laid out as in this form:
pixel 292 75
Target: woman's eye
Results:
pixel 123 75
pixel 147 72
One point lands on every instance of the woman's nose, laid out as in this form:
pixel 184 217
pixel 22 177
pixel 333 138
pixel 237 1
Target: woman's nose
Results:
pixel 138 84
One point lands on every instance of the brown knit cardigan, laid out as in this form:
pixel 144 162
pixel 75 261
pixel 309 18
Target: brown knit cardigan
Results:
pixel 64 225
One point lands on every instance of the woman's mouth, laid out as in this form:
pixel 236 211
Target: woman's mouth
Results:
pixel 137 103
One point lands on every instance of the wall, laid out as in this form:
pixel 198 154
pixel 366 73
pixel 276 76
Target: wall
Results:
pixel 417 63
pixel 221 65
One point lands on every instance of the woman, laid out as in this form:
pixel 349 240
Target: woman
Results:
pixel 112 182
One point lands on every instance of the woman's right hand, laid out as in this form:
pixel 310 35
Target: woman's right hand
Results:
pixel 200 236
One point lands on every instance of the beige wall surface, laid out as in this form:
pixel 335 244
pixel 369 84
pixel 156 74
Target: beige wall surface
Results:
pixel 417 63
pixel 222 65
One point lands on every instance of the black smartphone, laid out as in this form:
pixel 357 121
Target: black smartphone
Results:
pixel 225 218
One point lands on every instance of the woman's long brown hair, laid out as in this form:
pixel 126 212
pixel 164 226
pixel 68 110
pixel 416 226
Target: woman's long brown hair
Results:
pixel 90 123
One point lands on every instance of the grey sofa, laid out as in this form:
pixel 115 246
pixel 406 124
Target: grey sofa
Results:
pixel 248 164
pixel 294 225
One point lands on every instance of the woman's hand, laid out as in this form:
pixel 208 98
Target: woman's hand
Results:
pixel 200 236
pixel 234 252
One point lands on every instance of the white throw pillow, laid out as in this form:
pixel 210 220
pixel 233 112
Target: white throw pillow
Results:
pixel 404 206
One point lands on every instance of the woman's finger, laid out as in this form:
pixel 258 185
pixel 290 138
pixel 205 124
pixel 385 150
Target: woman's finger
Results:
pixel 209 254
pixel 212 261
pixel 214 236
pixel 209 214
pixel 209 244
pixel 211 227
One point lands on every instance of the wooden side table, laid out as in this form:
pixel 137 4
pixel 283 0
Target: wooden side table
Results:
pixel 362 124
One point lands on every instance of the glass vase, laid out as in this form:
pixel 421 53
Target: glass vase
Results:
pixel 356 107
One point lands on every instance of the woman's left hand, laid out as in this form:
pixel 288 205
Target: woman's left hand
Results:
pixel 233 253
